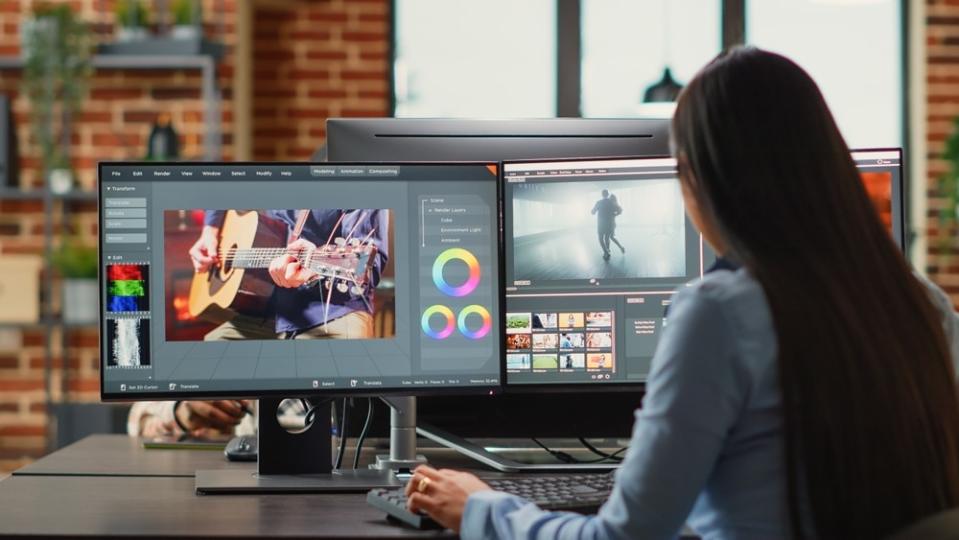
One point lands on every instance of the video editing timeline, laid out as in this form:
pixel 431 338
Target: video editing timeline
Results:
pixel 595 250
pixel 394 267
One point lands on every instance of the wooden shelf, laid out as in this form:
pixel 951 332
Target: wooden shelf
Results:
pixel 131 61
pixel 206 63
pixel 39 194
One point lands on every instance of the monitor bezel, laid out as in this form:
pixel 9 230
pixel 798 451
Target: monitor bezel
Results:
pixel 306 392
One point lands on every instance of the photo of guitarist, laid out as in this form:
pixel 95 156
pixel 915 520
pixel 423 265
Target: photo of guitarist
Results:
pixel 301 307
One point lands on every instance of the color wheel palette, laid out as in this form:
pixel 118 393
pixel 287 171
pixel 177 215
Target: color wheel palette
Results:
pixel 484 315
pixel 452 321
pixel 449 325
pixel 472 264
pixel 127 288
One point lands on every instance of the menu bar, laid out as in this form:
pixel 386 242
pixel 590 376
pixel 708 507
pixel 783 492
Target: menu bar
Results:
pixel 241 171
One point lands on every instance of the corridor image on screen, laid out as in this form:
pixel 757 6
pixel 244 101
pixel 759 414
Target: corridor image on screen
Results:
pixel 598 229
pixel 242 274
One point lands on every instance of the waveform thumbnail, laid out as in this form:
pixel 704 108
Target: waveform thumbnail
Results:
pixel 128 342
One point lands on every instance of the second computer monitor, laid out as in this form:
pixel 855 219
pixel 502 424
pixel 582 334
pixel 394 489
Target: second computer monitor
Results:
pixel 594 251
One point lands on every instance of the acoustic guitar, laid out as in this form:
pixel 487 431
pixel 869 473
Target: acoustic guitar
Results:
pixel 248 242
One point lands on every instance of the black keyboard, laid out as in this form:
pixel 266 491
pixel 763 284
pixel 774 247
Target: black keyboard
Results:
pixel 581 493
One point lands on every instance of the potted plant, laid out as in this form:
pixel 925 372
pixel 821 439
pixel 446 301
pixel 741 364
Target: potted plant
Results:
pixel 56 71
pixel 949 191
pixel 187 20
pixel 77 265
pixel 131 16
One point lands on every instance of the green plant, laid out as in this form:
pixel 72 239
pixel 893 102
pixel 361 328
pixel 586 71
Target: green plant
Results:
pixel 187 12
pixel 56 49
pixel 949 190
pixel 131 14
pixel 75 260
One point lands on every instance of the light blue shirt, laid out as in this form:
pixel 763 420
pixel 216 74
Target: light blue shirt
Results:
pixel 707 446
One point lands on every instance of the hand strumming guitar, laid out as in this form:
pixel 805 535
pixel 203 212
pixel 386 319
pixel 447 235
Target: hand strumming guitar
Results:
pixel 203 252
pixel 286 270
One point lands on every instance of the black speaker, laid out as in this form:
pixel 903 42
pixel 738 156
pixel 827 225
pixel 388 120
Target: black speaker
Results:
pixel 9 166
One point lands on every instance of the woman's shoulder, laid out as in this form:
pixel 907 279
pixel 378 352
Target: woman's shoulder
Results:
pixel 735 294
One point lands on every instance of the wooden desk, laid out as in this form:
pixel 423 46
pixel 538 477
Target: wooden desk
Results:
pixel 120 455
pixel 166 507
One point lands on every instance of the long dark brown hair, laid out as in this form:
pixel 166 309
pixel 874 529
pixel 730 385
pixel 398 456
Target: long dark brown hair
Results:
pixel 869 397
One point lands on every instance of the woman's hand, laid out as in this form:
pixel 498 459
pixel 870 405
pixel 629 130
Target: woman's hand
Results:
pixel 442 494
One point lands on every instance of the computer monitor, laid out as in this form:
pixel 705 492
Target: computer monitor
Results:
pixel 595 249
pixel 392 139
pixel 882 175
pixel 387 283
pixel 508 415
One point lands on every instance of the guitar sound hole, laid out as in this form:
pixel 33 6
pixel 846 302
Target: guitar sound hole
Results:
pixel 226 265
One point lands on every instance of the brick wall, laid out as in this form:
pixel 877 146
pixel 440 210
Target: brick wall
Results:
pixel 315 60
pixel 942 107
pixel 312 59
pixel 113 125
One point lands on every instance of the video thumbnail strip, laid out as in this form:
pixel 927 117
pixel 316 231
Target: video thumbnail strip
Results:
pixel 565 341
pixel 128 288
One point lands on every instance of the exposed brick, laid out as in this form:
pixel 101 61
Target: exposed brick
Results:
pixel 115 93
pixel 175 93
pixel 9 362
pixel 84 385
pixel 22 430
pixel 139 116
pixel 328 17
pixel 365 36
pixel 354 75
pixel 326 55
pixel 20 385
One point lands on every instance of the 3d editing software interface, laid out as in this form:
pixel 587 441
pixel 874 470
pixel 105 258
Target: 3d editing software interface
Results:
pixel 216 279
pixel 594 251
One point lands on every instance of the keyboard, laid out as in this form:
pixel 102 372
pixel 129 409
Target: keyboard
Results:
pixel 581 493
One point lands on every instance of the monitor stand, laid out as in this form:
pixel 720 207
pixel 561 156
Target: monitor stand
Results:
pixel 302 462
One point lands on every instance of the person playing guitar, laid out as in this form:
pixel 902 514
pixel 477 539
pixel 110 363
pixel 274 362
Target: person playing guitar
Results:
pixel 299 308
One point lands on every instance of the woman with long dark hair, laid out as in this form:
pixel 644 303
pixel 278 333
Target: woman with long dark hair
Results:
pixel 810 393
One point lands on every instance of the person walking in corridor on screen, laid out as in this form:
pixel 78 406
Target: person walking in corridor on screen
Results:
pixel 605 211
pixel 810 393
pixel 300 307
pixel 612 229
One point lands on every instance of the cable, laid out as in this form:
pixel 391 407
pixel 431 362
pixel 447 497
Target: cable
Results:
pixel 311 409
pixel 366 427
pixel 566 458
pixel 342 430
pixel 599 452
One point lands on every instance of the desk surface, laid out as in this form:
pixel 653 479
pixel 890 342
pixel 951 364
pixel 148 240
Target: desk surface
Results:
pixel 110 486
pixel 165 507
pixel 120 455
